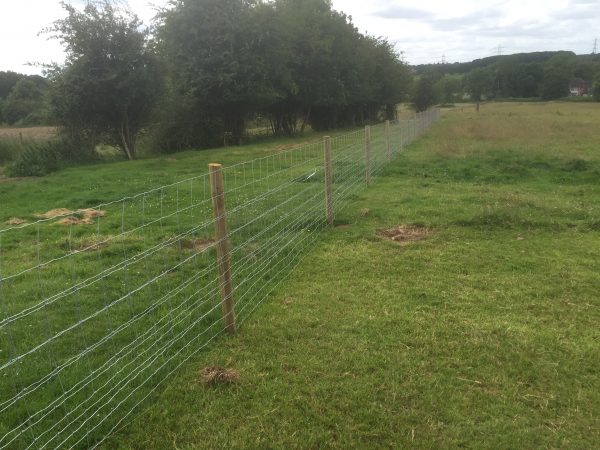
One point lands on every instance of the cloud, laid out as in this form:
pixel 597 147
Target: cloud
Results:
pixel 403 12
pixel 475 20
pixel 577 13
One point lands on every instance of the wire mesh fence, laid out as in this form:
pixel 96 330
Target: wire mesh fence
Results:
pixel 95 318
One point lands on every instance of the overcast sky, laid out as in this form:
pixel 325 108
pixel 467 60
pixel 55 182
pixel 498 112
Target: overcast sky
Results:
pixel 426 30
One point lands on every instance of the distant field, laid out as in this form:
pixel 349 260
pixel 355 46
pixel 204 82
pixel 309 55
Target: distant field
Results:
pixel 37 133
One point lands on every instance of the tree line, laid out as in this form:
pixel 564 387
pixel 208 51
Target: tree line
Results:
pixel 22 99
pixel 540 75
pixel 206 68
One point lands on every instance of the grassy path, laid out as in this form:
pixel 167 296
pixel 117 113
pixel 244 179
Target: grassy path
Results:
pixel 484 335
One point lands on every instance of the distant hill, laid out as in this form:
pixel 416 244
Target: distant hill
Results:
pixel 517 58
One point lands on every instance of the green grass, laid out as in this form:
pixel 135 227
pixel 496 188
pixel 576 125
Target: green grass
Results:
pixel 485 335
pixel 121 299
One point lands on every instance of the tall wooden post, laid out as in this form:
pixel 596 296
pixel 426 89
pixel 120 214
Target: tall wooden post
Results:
pixel 367 154
pixel 223 255
pixel 388 147
pixel 328 180
pixel 401 131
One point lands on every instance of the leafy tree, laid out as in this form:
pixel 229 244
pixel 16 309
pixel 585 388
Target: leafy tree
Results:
pixel 108 85
pixel 479 84
pixel 424 93
pixel 557 74
pixel 525 80
pixel 596 88
pixel 449 88
pixel 25 99
pixel 7 82
pixel 292 61
pixel 217 55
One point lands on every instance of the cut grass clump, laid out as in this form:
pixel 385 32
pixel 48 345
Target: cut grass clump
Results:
pixel 196 245
pixel 215 375
pixel 405 234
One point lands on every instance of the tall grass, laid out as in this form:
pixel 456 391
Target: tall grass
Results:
pixel 9 150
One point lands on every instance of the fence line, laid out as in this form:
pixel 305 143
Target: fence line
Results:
pixel 100 306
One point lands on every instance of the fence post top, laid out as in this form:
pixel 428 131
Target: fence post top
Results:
pixel 215 166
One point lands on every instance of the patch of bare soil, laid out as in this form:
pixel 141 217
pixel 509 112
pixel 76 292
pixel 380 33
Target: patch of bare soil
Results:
pixel 68 217
pixel 214 375
pixel 405 234
pixel 284 148
pixel 15 221
pixel 90 213
pixel 72 220
pixel 54 213
pixel 197 245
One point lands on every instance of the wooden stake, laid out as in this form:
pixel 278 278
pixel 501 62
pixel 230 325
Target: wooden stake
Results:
pixel 388 148
pixel 328 180
pixel 223 254
pixel 368 155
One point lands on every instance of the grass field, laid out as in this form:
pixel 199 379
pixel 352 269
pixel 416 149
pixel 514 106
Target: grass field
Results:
pixel 36 133
pixel 482 335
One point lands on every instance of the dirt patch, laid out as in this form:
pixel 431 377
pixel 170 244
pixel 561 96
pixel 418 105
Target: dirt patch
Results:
pixel 285 148
pixel 71 220
pixel 54 213
pixel 90 213
pixel 365 212
pixel 218 375
pixel 79 217
pixel 405 234
pixel 343 226
pixel 15 221
pixel 197 245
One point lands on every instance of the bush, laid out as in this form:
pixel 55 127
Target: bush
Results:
pixel 35 159
pixel 9 150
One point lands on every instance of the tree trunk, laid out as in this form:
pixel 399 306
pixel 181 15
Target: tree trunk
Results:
pixel 125 141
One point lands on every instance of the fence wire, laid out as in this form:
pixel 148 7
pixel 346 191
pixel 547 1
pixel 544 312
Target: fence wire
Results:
pixel 101 305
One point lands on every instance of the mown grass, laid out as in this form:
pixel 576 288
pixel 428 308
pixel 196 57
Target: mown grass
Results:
pixel 484 335
pixel 89 307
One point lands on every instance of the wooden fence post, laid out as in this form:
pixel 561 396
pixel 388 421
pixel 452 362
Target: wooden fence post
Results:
pixel 401 131
pixel 222 245
pixel 328 180
pixel 368 155
pixel 388 148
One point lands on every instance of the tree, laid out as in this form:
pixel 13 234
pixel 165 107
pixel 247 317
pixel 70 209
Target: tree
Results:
pixel 479 84
pixel 25 99
pixel 110 80
pixel 449 88
pixel 596 88
pixel 8 80
pixel 557 74
pixel 424 93
pixel 216 52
